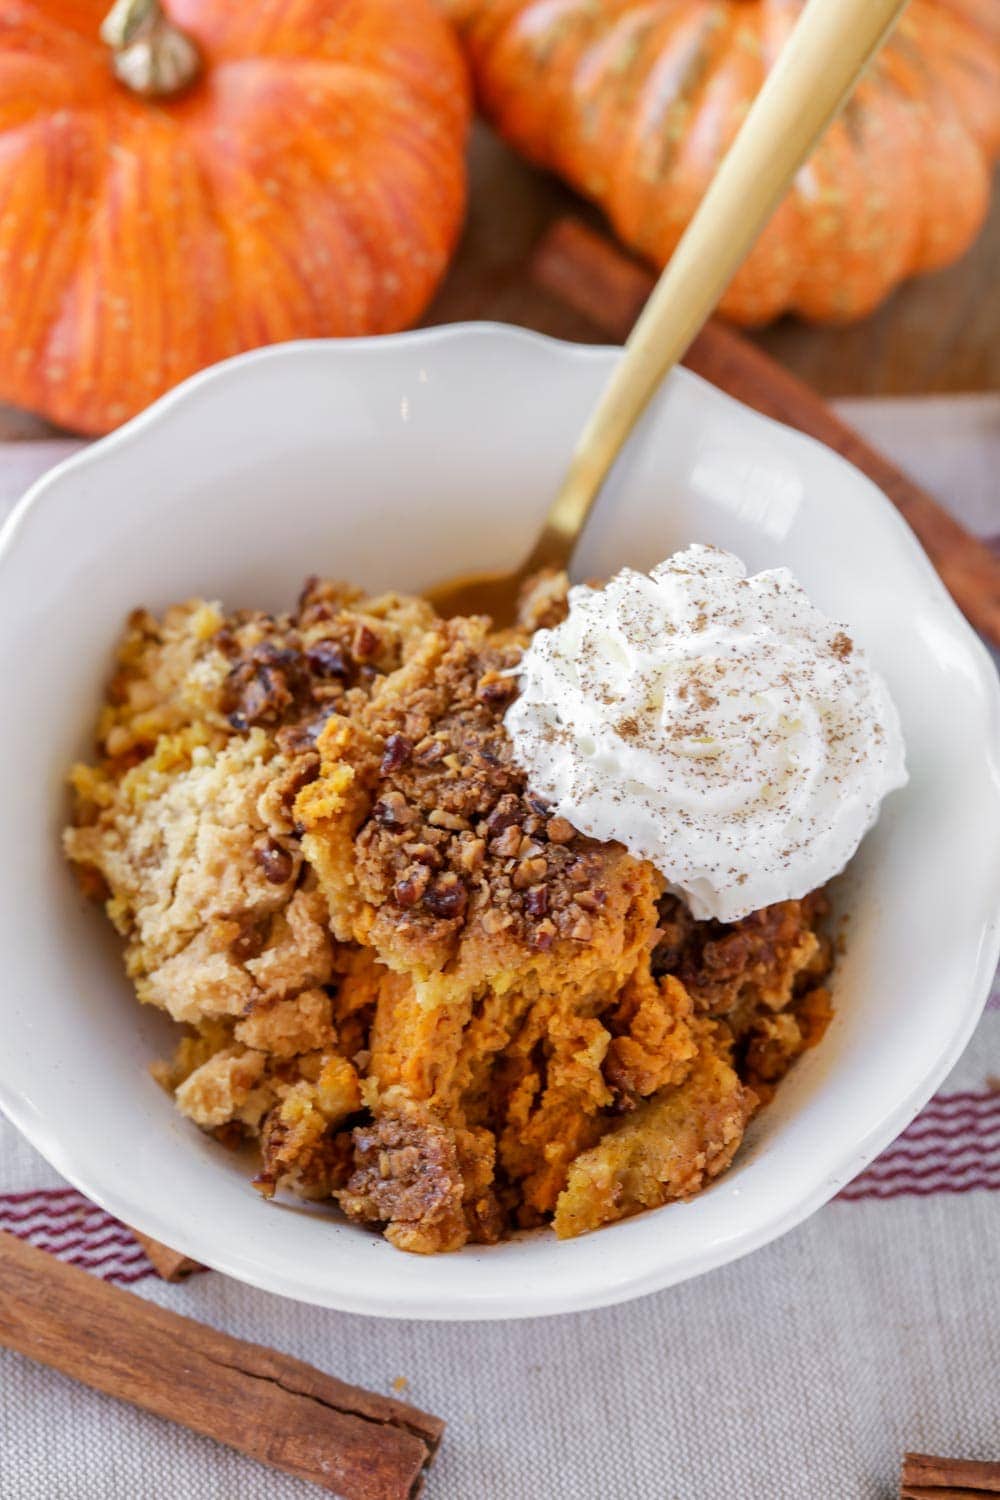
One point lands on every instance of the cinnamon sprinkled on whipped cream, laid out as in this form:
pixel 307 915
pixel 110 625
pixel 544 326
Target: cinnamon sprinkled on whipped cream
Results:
pixel 717 725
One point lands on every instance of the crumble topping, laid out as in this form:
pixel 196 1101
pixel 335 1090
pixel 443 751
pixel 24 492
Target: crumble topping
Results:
pixel 420 990
pixel 449 844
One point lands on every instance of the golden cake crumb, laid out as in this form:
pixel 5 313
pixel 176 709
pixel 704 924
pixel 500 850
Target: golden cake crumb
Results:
pixel 423 994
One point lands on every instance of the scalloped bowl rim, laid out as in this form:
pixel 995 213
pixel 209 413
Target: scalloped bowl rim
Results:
pixel 204 1245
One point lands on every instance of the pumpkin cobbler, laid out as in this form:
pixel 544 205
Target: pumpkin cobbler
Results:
pixel 422 994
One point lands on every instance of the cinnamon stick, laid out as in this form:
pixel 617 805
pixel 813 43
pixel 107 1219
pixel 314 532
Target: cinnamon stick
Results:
pixel 586 271
pixel 270 1406
pixel 927 1478
pixel 169 1265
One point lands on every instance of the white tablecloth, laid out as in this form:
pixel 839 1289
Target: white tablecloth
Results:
pixel 800 1373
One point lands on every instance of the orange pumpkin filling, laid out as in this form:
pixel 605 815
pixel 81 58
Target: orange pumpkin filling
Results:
pixel 423 995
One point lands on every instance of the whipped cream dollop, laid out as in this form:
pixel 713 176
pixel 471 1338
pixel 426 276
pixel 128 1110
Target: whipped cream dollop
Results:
pixel 717 725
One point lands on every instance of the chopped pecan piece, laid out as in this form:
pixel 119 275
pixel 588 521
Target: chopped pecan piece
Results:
pixel 410 890
pixel 275 861
pixel 508 812
pixel 493 687
pixel 559 831
pixel 397 752
pixel 391 811
pixel 265 686
pixel 536 902
pixel 366 643
pixel 328 659
pixel 447 897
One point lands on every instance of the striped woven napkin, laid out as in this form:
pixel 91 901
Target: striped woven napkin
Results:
pixel 952 1147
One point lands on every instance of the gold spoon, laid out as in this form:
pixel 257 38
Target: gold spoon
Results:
pixel 814 75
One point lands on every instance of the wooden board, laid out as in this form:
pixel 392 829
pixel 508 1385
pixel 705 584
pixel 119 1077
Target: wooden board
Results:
pixel 939 333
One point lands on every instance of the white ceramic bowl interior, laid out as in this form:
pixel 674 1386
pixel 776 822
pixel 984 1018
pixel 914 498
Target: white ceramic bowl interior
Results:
pixel 395 462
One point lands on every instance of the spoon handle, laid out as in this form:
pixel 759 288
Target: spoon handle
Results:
pixel 812 78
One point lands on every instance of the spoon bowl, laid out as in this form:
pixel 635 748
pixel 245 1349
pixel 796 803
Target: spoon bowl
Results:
pixel 493 594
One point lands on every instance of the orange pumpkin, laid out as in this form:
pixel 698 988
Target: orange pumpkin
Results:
pixel 634 102
pixel 298 172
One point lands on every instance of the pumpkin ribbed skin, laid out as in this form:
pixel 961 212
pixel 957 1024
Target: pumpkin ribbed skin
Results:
pixel 310 182
pixel 634 102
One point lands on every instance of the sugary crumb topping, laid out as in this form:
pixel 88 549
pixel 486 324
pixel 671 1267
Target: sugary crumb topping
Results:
pixel 421 990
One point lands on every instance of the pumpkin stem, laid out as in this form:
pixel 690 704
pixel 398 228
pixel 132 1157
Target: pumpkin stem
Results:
pixel 149 54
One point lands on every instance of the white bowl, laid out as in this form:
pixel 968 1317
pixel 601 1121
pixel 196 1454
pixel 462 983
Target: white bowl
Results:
pixel 398 461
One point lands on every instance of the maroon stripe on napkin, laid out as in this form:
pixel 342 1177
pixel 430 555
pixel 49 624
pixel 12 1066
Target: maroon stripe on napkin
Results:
pixel 67 1224
pixel 953 1146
